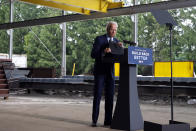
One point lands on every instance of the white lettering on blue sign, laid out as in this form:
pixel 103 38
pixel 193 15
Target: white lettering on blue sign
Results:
pixel 138 55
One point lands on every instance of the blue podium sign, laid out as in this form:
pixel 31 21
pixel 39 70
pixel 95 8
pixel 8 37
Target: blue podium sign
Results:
pixel 139 55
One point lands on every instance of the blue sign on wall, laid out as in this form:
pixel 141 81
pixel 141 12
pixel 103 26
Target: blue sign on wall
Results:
pixel 138 55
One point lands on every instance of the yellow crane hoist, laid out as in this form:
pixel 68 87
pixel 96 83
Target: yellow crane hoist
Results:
pixel 78 6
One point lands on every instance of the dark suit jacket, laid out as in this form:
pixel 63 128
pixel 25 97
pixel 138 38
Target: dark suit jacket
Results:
pixel 97 53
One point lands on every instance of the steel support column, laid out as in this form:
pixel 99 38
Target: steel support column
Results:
pixel 63 64
pixel 11 30
pixel 135 34
pixel 135 2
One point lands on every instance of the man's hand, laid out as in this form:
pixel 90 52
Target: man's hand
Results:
pixel 107 50
pixel 120 44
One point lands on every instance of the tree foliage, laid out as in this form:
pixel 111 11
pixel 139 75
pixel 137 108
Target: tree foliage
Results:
pixel 38 41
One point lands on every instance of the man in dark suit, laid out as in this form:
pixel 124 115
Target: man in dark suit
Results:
pixel 104 73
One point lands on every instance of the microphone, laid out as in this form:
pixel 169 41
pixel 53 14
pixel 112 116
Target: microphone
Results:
pixel 131 43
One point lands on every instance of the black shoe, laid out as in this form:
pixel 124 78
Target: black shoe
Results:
pixel 94 124
pixel 107 124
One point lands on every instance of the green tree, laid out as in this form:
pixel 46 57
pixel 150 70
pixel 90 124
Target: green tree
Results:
pixel 4 18
pixel 38 55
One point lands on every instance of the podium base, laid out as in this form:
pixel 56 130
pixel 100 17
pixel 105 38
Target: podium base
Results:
pixel 172 126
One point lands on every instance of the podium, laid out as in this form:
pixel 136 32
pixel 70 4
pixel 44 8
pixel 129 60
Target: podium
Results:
pixel 127 114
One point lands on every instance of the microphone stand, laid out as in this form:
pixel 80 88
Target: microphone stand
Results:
pixel 171 78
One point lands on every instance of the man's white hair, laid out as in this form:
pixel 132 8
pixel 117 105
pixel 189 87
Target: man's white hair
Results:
pixel 108 26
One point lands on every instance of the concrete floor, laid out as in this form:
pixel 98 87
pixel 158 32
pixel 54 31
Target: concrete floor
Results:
pixel 28 113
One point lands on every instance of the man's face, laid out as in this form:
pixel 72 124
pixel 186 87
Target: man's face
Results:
pixel 112 31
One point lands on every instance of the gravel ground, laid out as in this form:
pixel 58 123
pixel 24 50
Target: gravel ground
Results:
pixel 70 113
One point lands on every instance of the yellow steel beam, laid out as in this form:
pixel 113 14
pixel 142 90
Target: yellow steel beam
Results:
pixel 112 5
pixel 79 6
pixel 59 6
pixel 96 5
